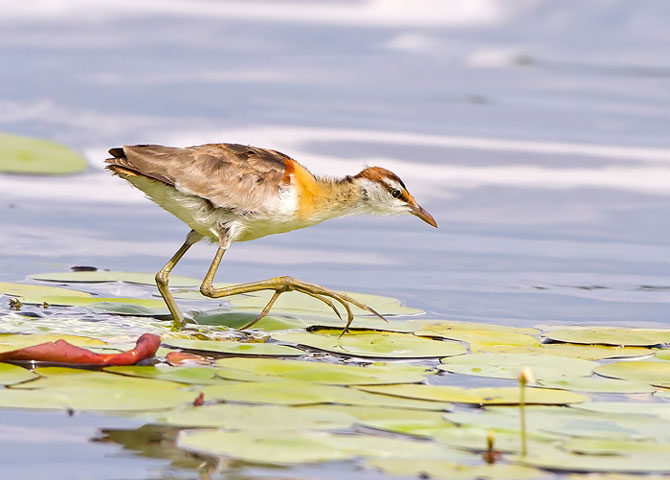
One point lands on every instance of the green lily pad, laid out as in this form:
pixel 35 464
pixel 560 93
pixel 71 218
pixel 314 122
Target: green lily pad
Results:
pixel 304 393
pixel 15 341
pixel 663 354
pixel 559 460
pixel 256 417
pixel 117 308
pixel 598 385
pixel 448 326
pixel 12 374
pixel 72 301
pixel 479 340
pixel 234 348
pixel 442 469
pixel 591 446
pixel 653 373
pixel 299 303
pixel 476 439
pixel 642 337
pixel 534 396
pixel 563 421
pixel 26 155
pixel 627 408
pixel 237 320
pixel 436 393
pixel 373 344
pixel 594 352
pixel 187 375
pixel 509 365
pixel 307 447
pixel 269 369
pixel 38 293
pixel 421 423
pixel 99 276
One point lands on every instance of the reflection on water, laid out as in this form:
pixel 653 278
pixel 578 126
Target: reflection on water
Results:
pixel 536 134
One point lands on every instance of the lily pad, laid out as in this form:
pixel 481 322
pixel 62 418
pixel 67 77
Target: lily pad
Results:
pixel 437 393
pixel 15 341
pixel 594 352
pixel 597 385
pixel 226 318
pixel 13 374
pixel 80 301
pixel 653 373
pixel 590 446
pixel 234 348
pixel 559 460
pixel 479 340
pixel 373 344
pixel 187 375
pixel 534 396
pixel 642 337
pixel 118 308
pixel 306 447
pixel 629 408
pixel 100 276
pixel 26 155
pixel 305 393
pixel 38 293
pixel 443 469
pixel 503 365
pixel 256 417
pixel 269 369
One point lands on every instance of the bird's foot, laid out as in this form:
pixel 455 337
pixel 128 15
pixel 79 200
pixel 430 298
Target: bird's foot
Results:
pixel 287 284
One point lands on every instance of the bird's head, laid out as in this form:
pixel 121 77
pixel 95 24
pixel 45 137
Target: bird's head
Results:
pixel 384 193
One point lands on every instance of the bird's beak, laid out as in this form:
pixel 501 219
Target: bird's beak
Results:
pixel 418 211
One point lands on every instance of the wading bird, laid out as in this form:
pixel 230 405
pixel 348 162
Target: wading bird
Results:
pixel 235 193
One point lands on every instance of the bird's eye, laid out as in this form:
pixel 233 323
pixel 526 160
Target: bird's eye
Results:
pixel 396 193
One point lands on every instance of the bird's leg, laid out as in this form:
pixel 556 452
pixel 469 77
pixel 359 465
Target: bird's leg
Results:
pixel 162 279
pixel 279 285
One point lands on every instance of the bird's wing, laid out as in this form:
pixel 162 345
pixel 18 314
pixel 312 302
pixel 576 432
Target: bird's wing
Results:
pixel 235 177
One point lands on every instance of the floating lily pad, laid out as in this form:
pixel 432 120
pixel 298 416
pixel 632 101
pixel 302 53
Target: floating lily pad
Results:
pixel 447 326
pixel 534 396
pixel 590 446
pixel 476 439
pixel 237 320
pixel 118 308
pixel 598 385
pixel 188 375
pixel 15 341
pixel 257 417
pixel 642 337
pixel 38 293
pixel 663 354
pixel 12 374
pixel 437 393
pixel 625 408
pixel 306 447
pixel 268 369
pixel 373 344
pixel 442 469
pixel 653 373
pixel 299 303
pixel 559 460
pixel 503 365
pixel 80 301
pixel 305 393
pixel 99 276
pixel 26 155
pixel 234 348
pixel 479 340
pixel 572 350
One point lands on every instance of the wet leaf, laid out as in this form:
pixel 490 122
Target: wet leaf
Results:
pixel 597 385
pixel 437 393
pixel 304 393
pixel 572 350
pixel 590 446
pixel 187 375
pixel 504 365
pixel 99 276
pixel 61 351
pixel 71 301
pixel 373 344
pixel 234 348
pixel 268 369
pixel 262 418
pixel 13 374
pixel 479 340
pixel 642 337
pixel 26 155
pixel 15 341
pixel 651 372
pixel 38 293
pixel 534 396
pixel 442 469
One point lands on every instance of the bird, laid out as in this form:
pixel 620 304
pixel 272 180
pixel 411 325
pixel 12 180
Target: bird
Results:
pixel 231 193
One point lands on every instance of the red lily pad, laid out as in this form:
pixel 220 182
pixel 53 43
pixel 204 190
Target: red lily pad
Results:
pixel 62 351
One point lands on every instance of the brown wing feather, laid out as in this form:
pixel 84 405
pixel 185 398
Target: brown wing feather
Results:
pixel 229 176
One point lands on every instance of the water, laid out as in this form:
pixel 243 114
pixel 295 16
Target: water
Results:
pixel 535 132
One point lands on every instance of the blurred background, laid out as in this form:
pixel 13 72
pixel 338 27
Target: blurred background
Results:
pixel 535 132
